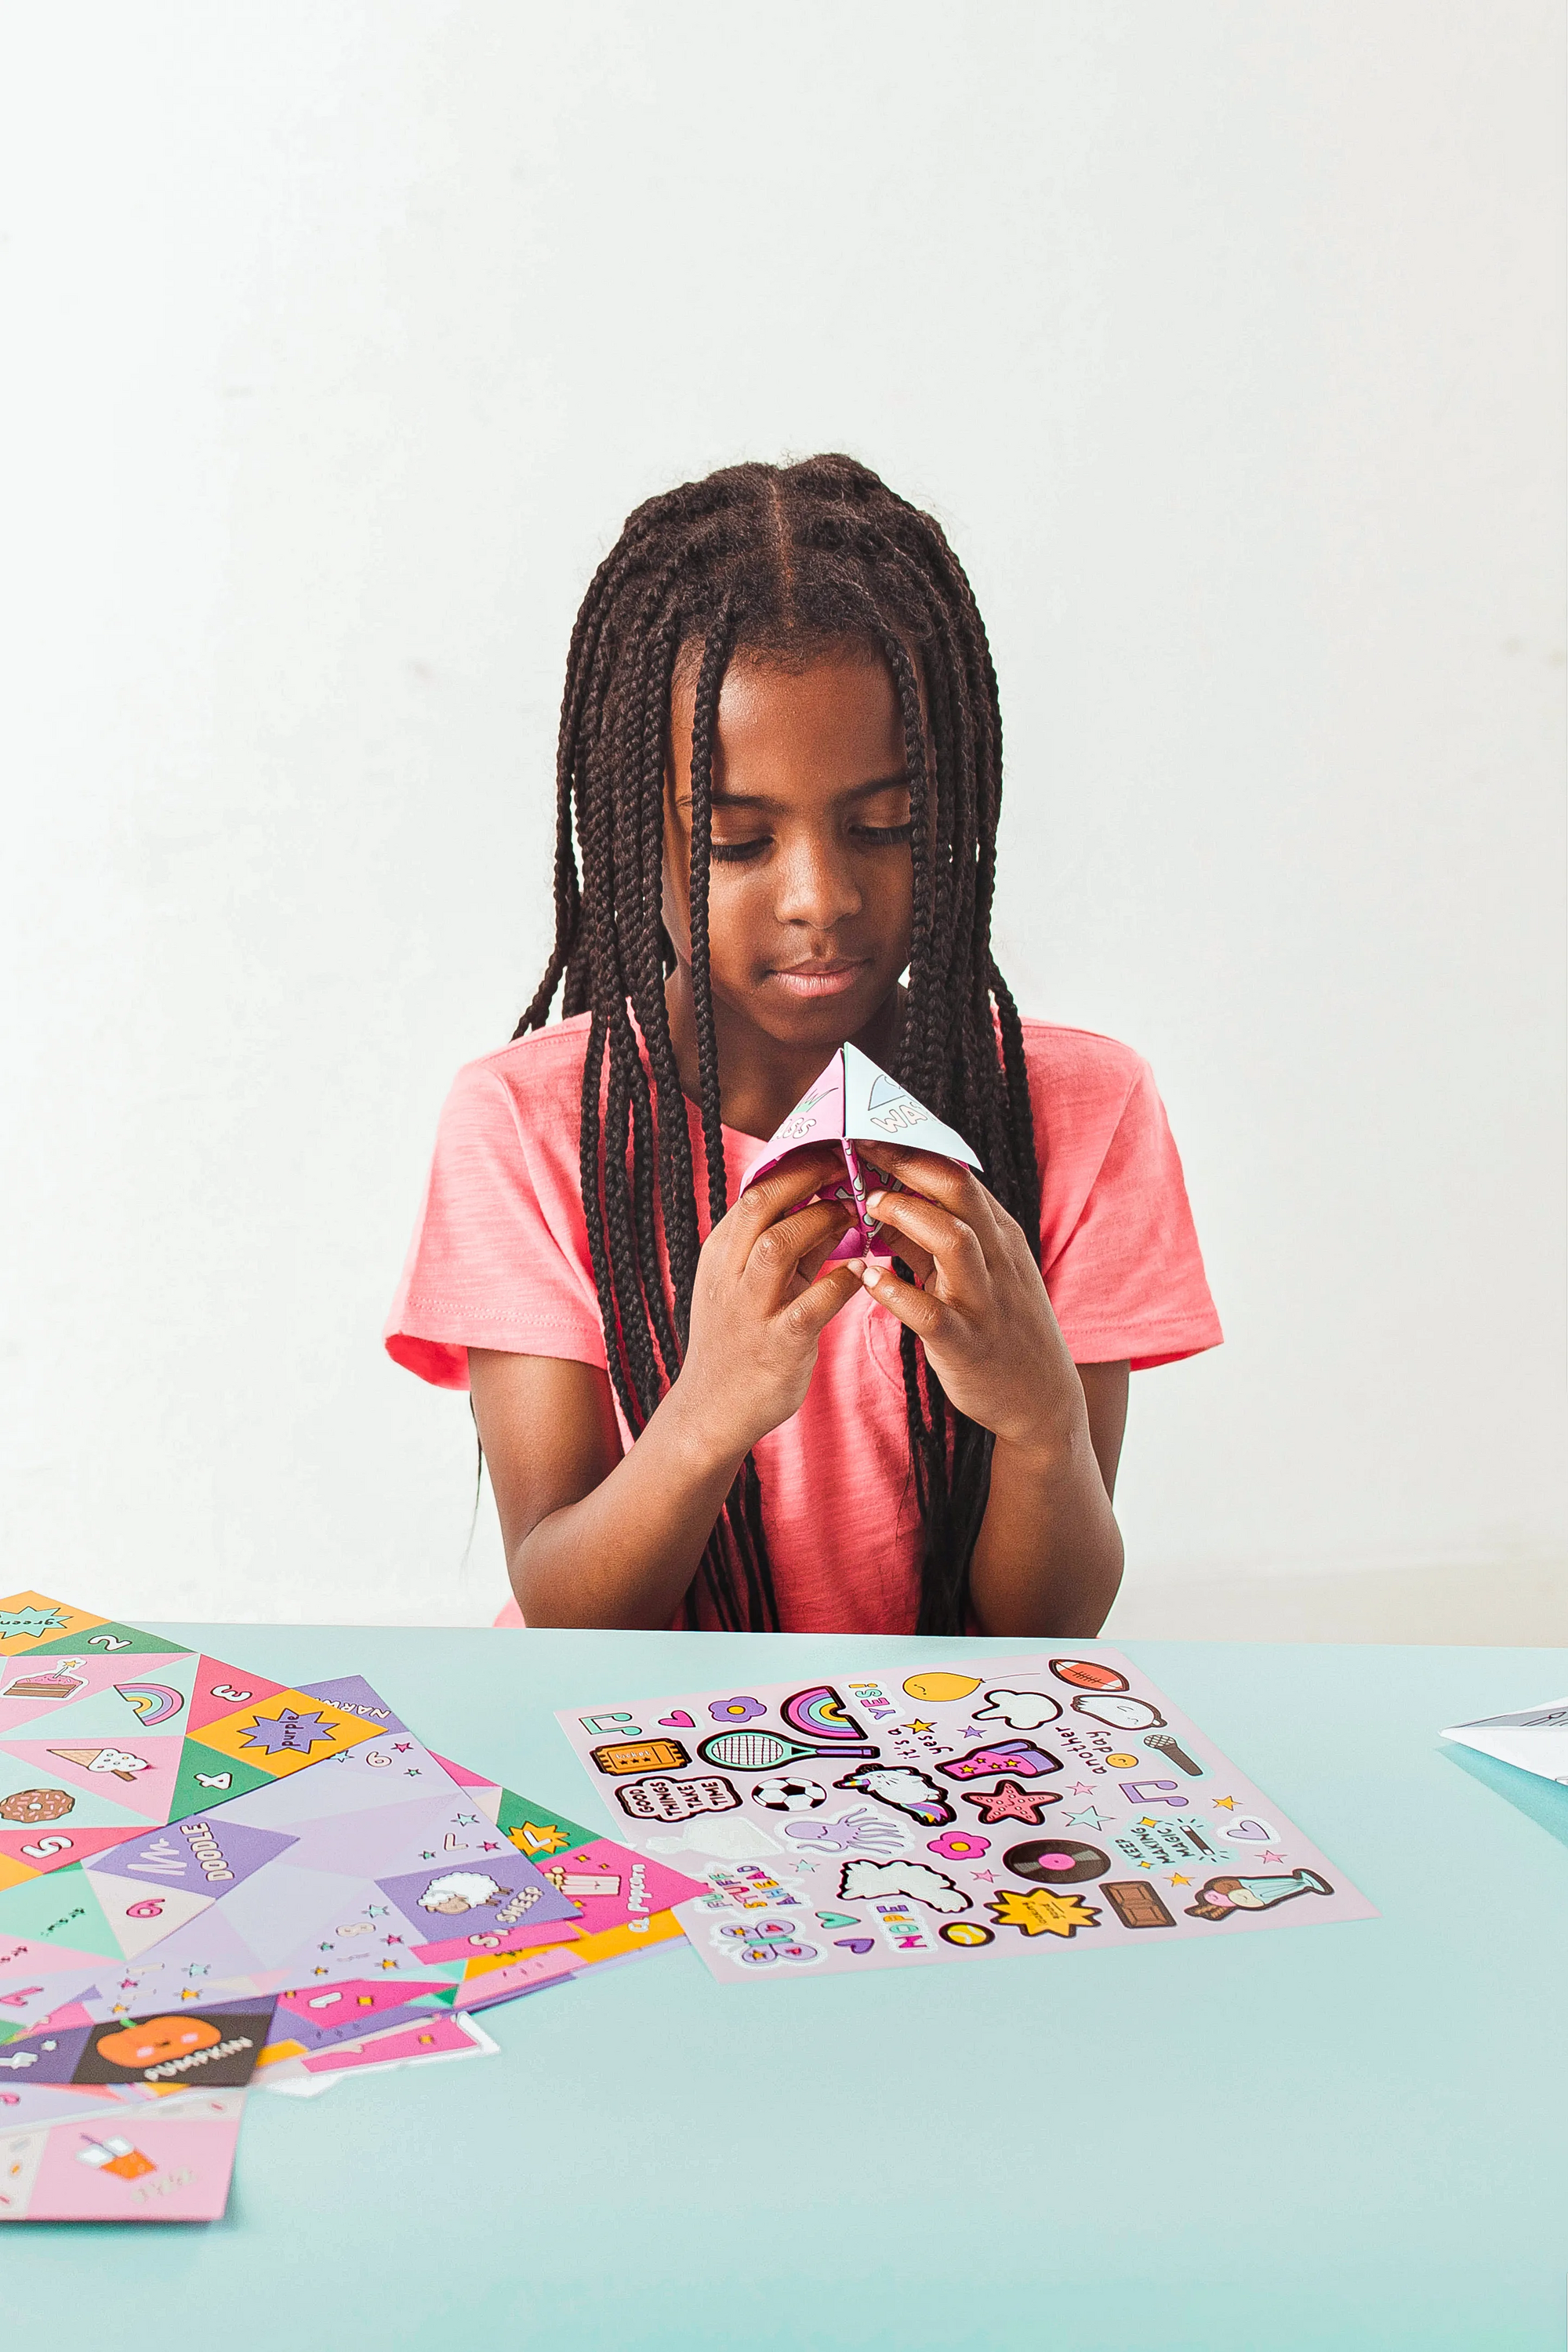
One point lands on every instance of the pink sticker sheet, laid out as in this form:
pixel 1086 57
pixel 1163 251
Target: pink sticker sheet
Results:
pixel 166 2163
pixel 877 1821
pixel 855 1102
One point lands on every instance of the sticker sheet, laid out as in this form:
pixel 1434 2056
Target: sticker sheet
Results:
pixel 883 1823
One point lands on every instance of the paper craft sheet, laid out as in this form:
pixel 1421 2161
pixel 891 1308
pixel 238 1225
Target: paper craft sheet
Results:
pixel 1533 1740
pixel 879 1822
pixel 168 2163
pixel 855 1102
pixel 345 1849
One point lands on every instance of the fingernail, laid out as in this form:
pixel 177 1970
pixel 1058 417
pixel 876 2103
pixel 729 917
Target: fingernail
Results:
pixel 874 1202
pixel 857 1264
pixel 870 1276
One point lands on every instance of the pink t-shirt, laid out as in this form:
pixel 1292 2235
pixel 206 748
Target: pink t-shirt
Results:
pixel 499 1259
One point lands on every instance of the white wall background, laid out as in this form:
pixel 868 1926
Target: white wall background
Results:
pixel 1227 342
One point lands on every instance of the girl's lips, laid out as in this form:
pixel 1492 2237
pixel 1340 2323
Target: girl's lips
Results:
pixel 818 979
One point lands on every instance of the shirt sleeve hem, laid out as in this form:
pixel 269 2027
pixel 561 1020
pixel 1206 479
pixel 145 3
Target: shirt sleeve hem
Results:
pixel 1143 1349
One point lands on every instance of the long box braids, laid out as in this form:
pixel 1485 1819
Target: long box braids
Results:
pixel 783 561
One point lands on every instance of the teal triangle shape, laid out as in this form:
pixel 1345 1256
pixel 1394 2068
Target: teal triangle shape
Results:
pixel 109 1640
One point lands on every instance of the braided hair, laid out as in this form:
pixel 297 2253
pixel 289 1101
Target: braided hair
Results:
pixel 783 562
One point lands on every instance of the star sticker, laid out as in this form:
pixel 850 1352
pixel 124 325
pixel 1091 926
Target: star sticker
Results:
pixel 489 1846
pixel 1228 1802
pixel 401 1747
pixel 392 1963
pixel 1009 1801
pixel 988 1876
pixel 916 1726
pixel 972 1731
pixel 1272 1857
pixel 1176 1879
pixel 1091 1813
pixel 1148 1823
pixel 1145 1865
pixel 1081 1788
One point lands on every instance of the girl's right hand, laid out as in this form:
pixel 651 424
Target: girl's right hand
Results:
pixel 761 1303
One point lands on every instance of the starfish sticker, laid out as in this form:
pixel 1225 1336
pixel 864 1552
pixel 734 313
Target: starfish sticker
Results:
pixel 1008 1801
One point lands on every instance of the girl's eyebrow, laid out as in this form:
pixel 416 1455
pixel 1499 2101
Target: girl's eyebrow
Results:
pixel 763 800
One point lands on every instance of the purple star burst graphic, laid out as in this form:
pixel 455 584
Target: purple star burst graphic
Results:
pixel 289 1734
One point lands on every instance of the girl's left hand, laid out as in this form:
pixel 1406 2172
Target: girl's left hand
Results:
pixel 981 1309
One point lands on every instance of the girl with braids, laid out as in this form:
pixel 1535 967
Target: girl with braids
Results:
pixel 778 789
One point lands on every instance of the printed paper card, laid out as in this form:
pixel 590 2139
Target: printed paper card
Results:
pixel 166 2163
pixel 855 1102
pixel 878 1823
pixel 346 1848
pixel 1534 1740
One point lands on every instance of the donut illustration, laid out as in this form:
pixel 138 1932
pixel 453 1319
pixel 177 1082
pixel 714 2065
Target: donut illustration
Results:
pixel 36 1805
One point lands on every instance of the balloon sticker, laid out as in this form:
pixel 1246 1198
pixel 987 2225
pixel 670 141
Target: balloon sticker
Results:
pixel 937 1689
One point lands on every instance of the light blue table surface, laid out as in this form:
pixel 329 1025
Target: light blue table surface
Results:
pixel 1332 2136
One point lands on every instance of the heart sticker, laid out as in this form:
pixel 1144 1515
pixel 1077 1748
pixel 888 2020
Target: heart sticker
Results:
pixel 680 1721
pixel 852 1943
pixel 1249 1832
pixel 837 1919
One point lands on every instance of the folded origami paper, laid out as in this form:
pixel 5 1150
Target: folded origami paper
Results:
pixel 854 1103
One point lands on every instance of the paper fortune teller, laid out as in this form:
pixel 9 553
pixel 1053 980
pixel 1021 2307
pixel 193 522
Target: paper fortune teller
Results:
pixel 855 1103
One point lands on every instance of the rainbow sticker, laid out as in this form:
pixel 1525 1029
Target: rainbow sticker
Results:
pixel 153 1702
pixel 822 1713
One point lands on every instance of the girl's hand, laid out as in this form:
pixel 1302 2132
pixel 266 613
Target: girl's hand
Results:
pixel 980 1308
pixel 760 1304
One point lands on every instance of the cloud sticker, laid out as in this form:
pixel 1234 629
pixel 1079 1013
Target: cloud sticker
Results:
pixel 860 1881
pixel 1019 1710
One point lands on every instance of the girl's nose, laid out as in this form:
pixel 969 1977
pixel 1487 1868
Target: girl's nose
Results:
pixel 817 886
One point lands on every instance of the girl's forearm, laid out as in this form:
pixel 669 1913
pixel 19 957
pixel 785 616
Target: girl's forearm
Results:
pixel 625 1554
pixel 1048 1559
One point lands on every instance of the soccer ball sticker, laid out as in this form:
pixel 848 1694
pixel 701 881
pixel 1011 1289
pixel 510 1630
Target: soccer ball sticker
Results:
pixel 789 1796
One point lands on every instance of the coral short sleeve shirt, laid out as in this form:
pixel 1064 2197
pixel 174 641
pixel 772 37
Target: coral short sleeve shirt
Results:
pixel 499 1259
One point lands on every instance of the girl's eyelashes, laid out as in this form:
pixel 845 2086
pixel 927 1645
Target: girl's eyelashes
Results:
pixel 743 853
